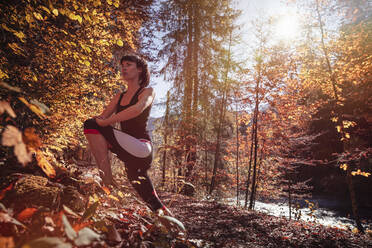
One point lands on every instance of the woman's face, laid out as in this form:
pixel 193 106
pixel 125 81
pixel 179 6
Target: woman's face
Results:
pixel 130 71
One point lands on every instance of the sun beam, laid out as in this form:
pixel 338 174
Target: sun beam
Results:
pixel 287 26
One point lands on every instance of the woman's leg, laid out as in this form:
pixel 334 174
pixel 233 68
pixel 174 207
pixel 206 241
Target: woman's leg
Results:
pixel 144 187
pixel 98 146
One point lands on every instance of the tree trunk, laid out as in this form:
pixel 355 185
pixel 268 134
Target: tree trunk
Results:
pixel 255 122
pixel 259 171
pixel 237 154
pixel 222 117
pixel 289 199
pixel 249 166
pixel 166 127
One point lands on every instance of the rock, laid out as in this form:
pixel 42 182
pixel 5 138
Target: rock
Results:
pixel 32 190
pixel 35 191
pixel 73 199
pixel 188 189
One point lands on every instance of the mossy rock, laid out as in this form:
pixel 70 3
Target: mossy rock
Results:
pixel 32 190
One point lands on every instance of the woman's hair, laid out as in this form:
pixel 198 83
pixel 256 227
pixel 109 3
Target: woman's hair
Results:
pixel 141 63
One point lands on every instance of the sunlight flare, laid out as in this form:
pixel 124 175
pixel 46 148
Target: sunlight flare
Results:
pixel 287 26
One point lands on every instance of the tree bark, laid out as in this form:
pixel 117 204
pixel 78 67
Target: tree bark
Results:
pixel 222 117
pixel 237 154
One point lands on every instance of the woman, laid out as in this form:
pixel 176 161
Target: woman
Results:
pixel 132 143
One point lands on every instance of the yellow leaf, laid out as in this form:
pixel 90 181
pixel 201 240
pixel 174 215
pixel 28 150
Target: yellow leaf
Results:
pixel 20 35
pixel 80 20
pixel 34 78
pixel 33 108
pixel 114 198
pixel 55 12
pixel 347 135
pixel 72 16
pixel 16 48
pixel 97 3
pixel 87 63
pixel 45 165
pixel 46 9
pixel 120 42
pixel 3 74
pixel 343 166
pixel 120 194
pixel 338 128
pixel 116 4
pixel 38 16
pixel 109 2
pixel 94 198
pixel 29 18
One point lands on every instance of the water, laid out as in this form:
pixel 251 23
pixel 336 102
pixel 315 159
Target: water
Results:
pixel 334 215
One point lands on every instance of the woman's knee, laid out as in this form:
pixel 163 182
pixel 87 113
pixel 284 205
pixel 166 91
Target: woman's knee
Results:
pixel 91 126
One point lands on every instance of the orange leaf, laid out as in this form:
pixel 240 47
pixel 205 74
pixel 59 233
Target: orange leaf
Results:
pixel 45 165
pixel 30 138
pixel 3 192
pixel 106 190
pixel 26 214
pixel 77 227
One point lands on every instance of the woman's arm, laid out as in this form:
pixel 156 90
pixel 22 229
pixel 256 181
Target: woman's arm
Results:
pixel 144 100
pixel 110 108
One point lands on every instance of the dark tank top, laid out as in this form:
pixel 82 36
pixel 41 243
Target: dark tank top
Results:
pixel 137 126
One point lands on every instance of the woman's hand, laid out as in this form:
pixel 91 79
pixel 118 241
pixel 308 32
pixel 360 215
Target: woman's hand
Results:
pixel 102 122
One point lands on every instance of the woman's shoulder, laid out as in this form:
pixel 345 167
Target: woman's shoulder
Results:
pixel 148 90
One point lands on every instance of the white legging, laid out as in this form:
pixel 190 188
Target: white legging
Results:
pixel 140 148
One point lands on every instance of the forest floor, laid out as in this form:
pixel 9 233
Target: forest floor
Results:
pixel 73 210
pixel 212 224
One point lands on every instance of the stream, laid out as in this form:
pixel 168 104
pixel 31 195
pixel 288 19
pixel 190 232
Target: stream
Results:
pixel 324 211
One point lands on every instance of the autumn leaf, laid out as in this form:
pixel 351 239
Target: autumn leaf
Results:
pixel 107 191
pixel 38 16
pixel 45 165
pixel 3 192
pixel 26 214
pixel 55 12
pixel 114 198
pixel 38 111
pixel 77 227
pixel 13 137
pixel 3 75
pixel 120 43
pixel 6 218
pixel 79 18
pixel 31 139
